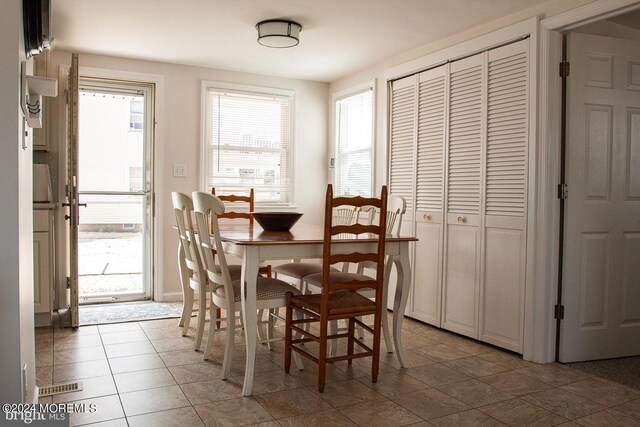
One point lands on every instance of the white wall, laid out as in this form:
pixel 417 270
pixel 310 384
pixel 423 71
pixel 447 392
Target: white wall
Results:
pixel 16 251
pixel 376 71
pixel 180 139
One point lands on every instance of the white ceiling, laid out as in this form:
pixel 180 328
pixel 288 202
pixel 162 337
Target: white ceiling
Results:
pixel 339 37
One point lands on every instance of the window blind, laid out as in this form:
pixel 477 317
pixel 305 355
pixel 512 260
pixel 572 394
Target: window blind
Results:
pixel 249 142
pixel 354 143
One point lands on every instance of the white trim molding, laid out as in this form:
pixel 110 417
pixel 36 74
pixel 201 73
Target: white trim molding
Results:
pixel 541 330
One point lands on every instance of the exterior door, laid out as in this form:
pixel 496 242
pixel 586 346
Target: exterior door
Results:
pixel 601 277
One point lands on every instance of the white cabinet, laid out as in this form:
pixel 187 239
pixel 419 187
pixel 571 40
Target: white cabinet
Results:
pixel 458 154
pixel 43 262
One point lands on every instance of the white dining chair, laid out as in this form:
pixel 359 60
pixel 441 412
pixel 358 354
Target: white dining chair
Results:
pixel 189 263
pixel 224 289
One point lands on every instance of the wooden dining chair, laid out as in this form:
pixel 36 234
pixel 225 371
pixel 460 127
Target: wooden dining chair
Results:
pixel 343 215
pixel 339 297
pixel 225 290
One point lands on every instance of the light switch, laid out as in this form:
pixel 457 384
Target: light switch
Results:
pixel 180 170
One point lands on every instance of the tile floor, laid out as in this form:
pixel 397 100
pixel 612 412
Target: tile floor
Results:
pixel 147 374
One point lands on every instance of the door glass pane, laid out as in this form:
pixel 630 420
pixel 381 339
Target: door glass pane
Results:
pixel 112 249
pixel 111 246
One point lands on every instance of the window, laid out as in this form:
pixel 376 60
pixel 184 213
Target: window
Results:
pixel 353 158
pixel 136 115
pixel 248 142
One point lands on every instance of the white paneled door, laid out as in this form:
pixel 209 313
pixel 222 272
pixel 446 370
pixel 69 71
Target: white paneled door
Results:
pixel 601 278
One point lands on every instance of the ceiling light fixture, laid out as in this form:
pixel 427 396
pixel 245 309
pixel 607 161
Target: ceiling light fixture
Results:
pixel 278 33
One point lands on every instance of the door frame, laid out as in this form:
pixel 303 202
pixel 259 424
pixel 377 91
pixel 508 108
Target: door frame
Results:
pixel 542 332
pixel 158 178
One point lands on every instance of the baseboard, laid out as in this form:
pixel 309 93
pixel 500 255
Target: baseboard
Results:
pixel 171 297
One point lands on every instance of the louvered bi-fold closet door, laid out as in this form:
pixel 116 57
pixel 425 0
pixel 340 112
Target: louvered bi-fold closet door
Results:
pixel 429 228
pixel 502 287
pixel 402 119
pixel 402 139
pixel 467 102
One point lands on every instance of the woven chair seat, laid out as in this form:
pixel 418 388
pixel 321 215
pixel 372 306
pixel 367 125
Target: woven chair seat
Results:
pixel 343 302
pixel 298 270
pixel 266 289
pixel 335 277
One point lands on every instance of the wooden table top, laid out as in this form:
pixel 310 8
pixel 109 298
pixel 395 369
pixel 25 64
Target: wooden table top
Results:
pixel 242 234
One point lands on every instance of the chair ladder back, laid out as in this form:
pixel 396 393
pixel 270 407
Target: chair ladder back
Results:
pixel 183 209
pixel 232 198
pixel 331 230
pixel 207 209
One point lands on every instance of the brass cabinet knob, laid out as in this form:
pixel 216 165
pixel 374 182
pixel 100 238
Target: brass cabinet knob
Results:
pixel 462 219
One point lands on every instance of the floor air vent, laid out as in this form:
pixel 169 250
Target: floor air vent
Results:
pixel 59 389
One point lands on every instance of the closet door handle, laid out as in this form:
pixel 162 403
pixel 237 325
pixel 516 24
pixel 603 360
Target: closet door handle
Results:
pixel 427 216
pixel 462 219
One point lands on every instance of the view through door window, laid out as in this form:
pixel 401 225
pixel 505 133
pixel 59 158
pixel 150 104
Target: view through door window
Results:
pixel 113 231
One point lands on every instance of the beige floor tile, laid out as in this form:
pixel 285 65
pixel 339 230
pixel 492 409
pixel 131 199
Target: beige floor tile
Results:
pixel 168 332
pixel 196 372
pixel 185 417
pixel 520 412
pixel 81 354
pixel 141 362
pixel 608 418
pixel 128 349
pixel 104 409
pixel 174 344
pixel 124 337
pixel 76 341
pixel 515 383
pixel 161 323
pixel 44 375
pixel 470 346
pixel 412 360
pixel 471 418
pixel 289 403
pixel 440 352
pixel 141 380
pixel 181 357
pixel 120 422
pixel 233 412
pixel 153 400
pixel 331 418
pixel 475 366
pixel 601 391
pixel 91 387
pixel 263 363
pixel 270 381
pixel 436 374
pixel 554 373
pixel 509 360
pixel 430 403
pixel 393 383
pixel 118 327
pixel 345 393
pixel 82 330
pixel 211 391
pixel 361 368
pixel 563 403
pixel 379 413
pixel 76 371
pixel 630 408
pixel 474 393
pixel 44 358
pixel 309 375
pixel 415 340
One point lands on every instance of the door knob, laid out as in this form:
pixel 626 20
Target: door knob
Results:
pixel 427 216
pixel 462 219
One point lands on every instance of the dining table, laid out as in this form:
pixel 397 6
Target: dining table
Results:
pixel 251 244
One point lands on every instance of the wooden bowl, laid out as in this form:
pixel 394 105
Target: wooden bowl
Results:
pixel 276 221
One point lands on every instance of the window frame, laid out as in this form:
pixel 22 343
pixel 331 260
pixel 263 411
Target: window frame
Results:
pixel 208 85
pixel 333 149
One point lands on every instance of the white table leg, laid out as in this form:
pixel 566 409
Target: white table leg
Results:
pixel 385 297
pixel 403 269
pixel 249 278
